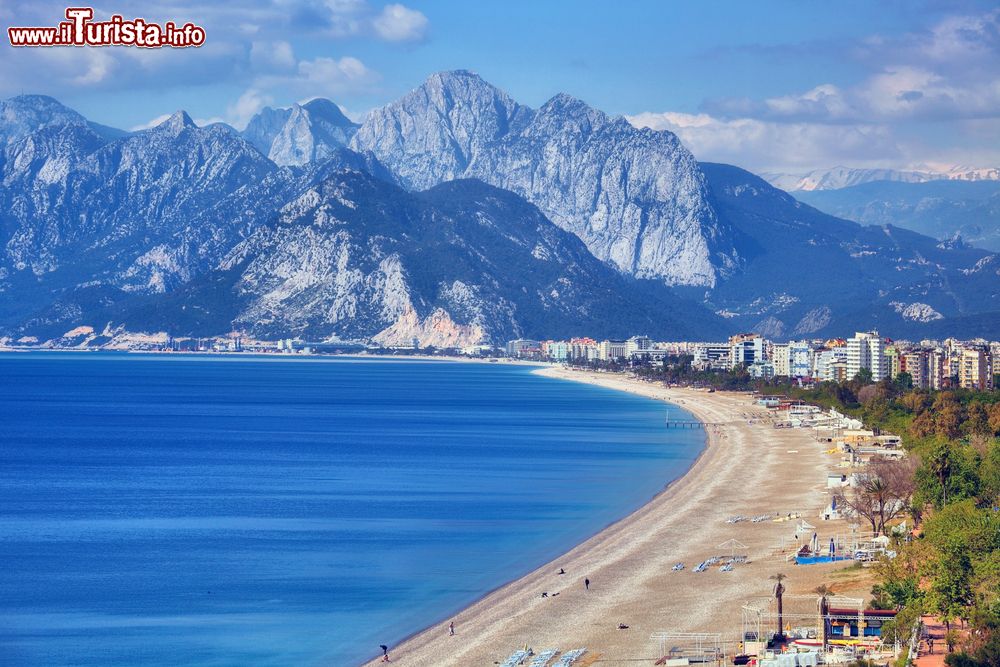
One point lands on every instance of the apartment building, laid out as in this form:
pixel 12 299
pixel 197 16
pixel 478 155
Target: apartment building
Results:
pixel 866 350
pixel 974 369
pixel 915 363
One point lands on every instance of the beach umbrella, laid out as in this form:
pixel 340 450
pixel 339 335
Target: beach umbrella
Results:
pixel 732 546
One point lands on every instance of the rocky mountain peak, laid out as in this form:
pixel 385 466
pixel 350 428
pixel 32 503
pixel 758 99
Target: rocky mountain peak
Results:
pixel 264 126
pixel 24 114
pixel 439 128
pixel 323 109
pixel 177 123
pixel 637 199
pixel 300 134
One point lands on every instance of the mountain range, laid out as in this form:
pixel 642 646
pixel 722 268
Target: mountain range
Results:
pixel 454 215
pixel 944 209
pixel 836 178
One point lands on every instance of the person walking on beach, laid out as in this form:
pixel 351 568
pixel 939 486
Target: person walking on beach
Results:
pixel 385 652
pixel 451 629
pixel 586 584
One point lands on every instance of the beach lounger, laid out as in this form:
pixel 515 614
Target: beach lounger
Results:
pixel 516 658
pixel 569 657
pixel 543 658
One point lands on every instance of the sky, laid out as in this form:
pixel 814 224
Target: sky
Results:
pixel 772 86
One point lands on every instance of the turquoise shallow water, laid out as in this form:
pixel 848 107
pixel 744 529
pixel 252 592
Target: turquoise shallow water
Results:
pixel 169 510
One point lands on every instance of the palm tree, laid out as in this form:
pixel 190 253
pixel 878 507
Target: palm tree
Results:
pixel 824 592
pixel 779 590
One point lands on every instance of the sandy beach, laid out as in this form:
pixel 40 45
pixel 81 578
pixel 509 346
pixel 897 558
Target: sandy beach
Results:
pixel 746 469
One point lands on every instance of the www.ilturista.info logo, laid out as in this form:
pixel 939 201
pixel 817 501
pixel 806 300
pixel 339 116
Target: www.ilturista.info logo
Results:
pixel 80 30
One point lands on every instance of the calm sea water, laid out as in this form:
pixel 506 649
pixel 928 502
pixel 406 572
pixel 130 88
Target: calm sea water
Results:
pixel 169 510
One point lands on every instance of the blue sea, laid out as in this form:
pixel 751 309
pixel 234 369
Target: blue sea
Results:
pixel 198 510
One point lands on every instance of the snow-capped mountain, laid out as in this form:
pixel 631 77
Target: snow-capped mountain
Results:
pixel 635 197
pixel 304 133
pixel 192 230
pixel 844 177
pixel 25 114
pixel 811 273
pixel 944 209
pixel 69 191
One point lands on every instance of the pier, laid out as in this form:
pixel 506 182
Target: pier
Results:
pixel 688 423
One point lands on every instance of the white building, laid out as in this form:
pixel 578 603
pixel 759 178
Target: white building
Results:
pixel 781 359
pixel 557 350
pixel 635 345
pixel 745 350
pixel 523 347
pixel 711 355
pixel 800 358
pixel 761 370
pixel 866 350
pixel 613 350
pixel 829 364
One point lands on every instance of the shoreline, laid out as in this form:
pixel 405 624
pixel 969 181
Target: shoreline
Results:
pixel 502 361
pixel 548 371
pixel 624 553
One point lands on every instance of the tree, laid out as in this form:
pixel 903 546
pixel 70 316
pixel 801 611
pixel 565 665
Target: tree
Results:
pixel 923 425
pixel 947 474
pixel 951 590
pixel 870 393
pixel 863 377
pixel 915 402
pixel 779 591
pixel 993 418
pixel 882 493
pixel 903 382
pixel 989 475
pixel 897 488
pixel 977 419
pixel 824 592
pixel 940 463
pixel 948 415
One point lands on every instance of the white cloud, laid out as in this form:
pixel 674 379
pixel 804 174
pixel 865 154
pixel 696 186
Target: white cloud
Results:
pixel 277 55
pixel 99 65
pixel 151 123
pixel 930 96
pixel 346 17
pixel 356 116
pixel 948 72
pixel 249 103
pixel 397 23
pixel 761 145
pixel 325 75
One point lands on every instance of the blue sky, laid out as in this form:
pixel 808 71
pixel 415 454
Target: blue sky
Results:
pixel 772 86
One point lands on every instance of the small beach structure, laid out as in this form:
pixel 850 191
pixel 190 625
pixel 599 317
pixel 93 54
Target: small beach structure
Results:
pixel 813 623
pixel 688 648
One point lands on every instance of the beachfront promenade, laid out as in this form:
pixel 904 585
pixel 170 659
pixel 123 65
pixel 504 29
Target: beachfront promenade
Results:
pixel 748 469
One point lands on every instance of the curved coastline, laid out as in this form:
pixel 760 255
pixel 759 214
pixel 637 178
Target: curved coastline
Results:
pixel 555 371
pixel 628 561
